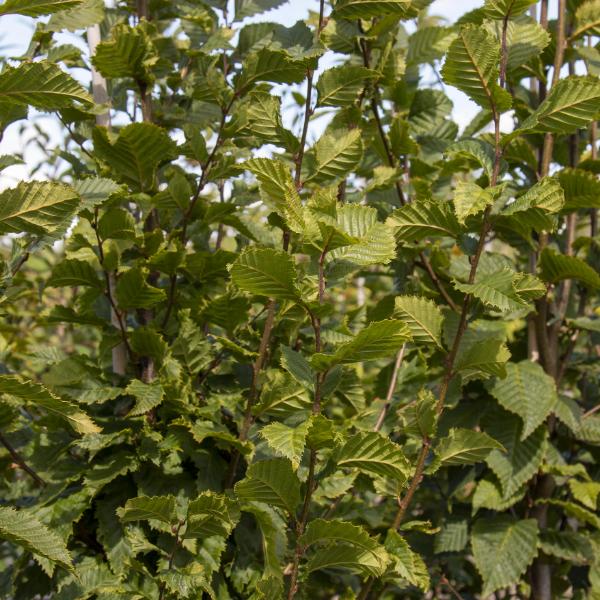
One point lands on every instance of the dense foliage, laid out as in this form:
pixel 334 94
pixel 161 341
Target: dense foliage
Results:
pixel 272 326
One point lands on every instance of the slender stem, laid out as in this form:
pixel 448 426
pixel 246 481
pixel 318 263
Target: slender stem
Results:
pixel 171 557
pixel 391 388
pixel 19 460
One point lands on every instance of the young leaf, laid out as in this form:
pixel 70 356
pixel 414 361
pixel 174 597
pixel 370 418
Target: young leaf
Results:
pixel 265 272
pixel 287 441
pixel 567 546
pixel 528 392
pixel 378 340
pixel 341 85
pixel 423 317
pixel 134 292
pixel 503 549
pixel 210 514
pixel 145 508
pixel 470 199
pixel 336 154
pixel 472 66
pixel 272 482
pixel 22 528
pixel 367 9
pixel 38 395
pixel 73 272
pixel 463 447
pixel 587 19
pixel 370 452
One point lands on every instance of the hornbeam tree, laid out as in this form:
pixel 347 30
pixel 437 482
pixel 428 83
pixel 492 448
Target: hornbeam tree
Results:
pixel 273 325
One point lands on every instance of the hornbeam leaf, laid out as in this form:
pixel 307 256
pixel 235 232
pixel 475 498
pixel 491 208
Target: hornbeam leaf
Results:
pixel 266 272
pixel 372 453
pixel 134 292
pixel 346 545
pixel 210 514
pixel 88 12
pixel 479 150
pixel 546 195
pixel 453 537
pixel 523 457
pixel 269 65
pixel 587 19
pixel 272 482
pixel 367 9
pixel 427 44
pixel 95 190
pixel 247 8
pixel 36 8
pixel 463 447
pixel 336 154
pixel 482 359
pixel 146 508
pixel 571 104
pixel 128 53
pixel 73 272
pixel 287 441
pixel 407 564
pixel 499 9
pixel 41 84
pixel 40 396
pixel 22 528
pixel 581 189
pixel 378 340
pixel 528 392
pixel 341 85
pixel 37 207
pixel 556 267
pixel 472 66
pixel 470 199
pixel 424 218
pixel 136 153
pixel 423 317
pixel 503 549
pixel 567 545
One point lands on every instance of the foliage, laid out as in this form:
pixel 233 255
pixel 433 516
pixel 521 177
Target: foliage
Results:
pixel 274 325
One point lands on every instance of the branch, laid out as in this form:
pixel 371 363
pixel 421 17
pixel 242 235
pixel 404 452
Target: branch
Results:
pixel 19 460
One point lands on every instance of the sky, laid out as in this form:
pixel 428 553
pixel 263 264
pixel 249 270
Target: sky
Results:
pixel 15 33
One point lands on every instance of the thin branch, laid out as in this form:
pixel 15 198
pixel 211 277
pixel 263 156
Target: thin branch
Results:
pixel 391 388
pixel 19 460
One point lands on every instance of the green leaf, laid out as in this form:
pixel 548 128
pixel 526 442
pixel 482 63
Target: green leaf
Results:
pixel 38 395
pixel 526 39
pixel 22 528
pixel 269 65
pixel 472 66
pixel 423 317
pixel 501 290
pixel 546 195
pixel 453 537
pixel 475 149
pixel 567 545
pixel 367 9
pixel 146 508
pixel 337 153
pixel 523 457
pixel 266 272
pixel 133 291
pixel 581 189
pixel 86 13
pixel 528 392
pixel 43 85
pixel 128 53
pixel 346 545
pixel 503 549
pixel 73 272
pixel 372 453
pixel 407 564
pixel 463 447
pixel 499 9
pixel 36 8
pixel 341 85
pixel 272 482
pixel 136 153
pixel 95 190
pixel 287 441
pixel 482 358
pixel 429 43
pixel 420 417
pixel 378 340
pixel 470 199
pixel 147 396
pixel 424 218
pixel 571 104
pixel 586 492
pixel 264 120
pixel 556 267
pixel 37 207
pixel 210 514
pixel 248 8
pixel 116 224
pixel 298 367
pixel 587 19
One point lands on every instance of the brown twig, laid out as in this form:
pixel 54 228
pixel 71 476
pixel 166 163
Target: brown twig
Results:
pixel 19 460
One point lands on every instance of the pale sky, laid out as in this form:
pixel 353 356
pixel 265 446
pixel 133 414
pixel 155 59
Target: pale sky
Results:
pixel 15 32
